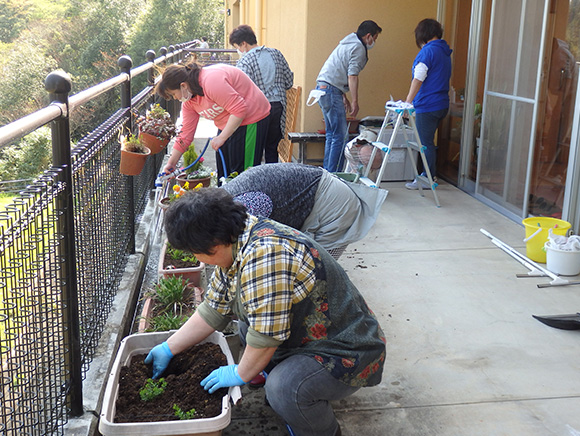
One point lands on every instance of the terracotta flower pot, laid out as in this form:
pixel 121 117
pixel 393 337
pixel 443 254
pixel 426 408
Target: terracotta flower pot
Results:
pixel 182 178
pixel 153 142
pixel 132 163
pixel 164 203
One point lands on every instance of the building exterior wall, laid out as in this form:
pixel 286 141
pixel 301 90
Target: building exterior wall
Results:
pixel 306 31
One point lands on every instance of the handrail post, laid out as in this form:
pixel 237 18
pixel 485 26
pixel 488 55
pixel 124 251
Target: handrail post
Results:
pixel 58 84
pixel 125 63
pixel 171 105
pixel 150 56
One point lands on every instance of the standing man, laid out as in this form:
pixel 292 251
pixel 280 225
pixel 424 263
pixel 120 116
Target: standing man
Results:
pixel 338 75
pixel 269 70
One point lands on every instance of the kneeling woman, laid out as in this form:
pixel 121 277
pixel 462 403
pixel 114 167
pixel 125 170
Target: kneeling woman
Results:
pixel 304 321
pixel 227 96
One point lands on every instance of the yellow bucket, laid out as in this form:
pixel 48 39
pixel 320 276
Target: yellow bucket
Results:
pixel 537 234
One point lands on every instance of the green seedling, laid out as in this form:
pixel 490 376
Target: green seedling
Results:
pixel 170 291
pixel 175 254
pixel 167 321
pixel 152 389
pixel 183 415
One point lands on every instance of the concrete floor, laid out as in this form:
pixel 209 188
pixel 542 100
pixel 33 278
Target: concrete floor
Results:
pixel 464 355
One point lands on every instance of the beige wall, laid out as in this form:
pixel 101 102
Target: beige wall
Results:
pixel 306 31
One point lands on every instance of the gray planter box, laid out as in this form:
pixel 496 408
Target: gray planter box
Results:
pixel 140 344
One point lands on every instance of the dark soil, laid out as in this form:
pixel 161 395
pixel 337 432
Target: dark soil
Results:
pixel 185 372
pixel 177 263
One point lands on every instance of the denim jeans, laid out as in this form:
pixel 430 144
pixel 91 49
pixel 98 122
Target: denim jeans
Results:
pixel 427 123
pixel 300 389
pixel 334 115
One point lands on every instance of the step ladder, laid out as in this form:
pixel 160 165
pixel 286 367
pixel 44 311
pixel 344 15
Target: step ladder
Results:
pixel 404 116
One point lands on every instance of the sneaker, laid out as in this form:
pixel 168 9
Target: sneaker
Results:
pixel 414 185
pixel 257 382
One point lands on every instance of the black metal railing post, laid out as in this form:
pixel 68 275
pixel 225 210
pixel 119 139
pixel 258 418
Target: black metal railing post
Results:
pixel 125 63
pixel 168 105
pixel 150 56
pixel 58 84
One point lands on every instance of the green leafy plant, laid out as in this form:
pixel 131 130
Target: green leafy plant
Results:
pixel 183 415
pixel 170 291
pixel 166 321
pixel 152 389
pixel 175 254
pixel 197 171
pixel 132 143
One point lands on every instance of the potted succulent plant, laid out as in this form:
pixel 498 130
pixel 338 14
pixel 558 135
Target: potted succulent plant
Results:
pixel 173 262
pixel 156 128
pixel 133 155
pixel 199 173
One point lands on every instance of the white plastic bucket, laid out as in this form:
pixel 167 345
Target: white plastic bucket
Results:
pixel 565 263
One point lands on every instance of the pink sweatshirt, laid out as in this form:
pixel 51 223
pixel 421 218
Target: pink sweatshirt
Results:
pixel 228 91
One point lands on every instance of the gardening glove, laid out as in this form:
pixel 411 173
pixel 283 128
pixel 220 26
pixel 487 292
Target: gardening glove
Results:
pixel 223 377
pixel 160 356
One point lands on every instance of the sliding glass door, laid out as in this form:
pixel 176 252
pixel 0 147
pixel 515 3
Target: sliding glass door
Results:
pixel 510 104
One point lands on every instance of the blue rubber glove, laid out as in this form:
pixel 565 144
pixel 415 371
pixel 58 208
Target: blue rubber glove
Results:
pixel 223 377
pixel 160 356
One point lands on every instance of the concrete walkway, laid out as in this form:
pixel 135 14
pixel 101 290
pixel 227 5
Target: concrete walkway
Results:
pixel 464 355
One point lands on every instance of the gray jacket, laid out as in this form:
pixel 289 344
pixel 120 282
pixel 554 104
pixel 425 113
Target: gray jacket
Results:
pixel 347 59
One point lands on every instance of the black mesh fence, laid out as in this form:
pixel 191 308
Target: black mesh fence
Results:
pixel 37 358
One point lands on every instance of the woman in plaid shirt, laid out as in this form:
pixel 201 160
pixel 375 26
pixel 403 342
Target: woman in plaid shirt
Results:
pixel 308 325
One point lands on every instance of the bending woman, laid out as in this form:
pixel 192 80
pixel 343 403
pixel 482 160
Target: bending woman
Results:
pixel 227 96
pixel 331 211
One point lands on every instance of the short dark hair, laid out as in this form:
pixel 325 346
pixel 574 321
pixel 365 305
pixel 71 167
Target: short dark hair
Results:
pixel 243 33
pixel 368 26
pixel 174 75
pixel 203 219
pixel 426 30
pixel 204 38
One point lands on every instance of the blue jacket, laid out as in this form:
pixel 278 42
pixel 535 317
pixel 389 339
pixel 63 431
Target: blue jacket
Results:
pixel 434 92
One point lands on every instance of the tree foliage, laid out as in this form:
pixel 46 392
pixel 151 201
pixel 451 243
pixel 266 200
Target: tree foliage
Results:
pixel 168 21
pixel 85 38
pixel 29 158
pixel 13 18
pixel 23 71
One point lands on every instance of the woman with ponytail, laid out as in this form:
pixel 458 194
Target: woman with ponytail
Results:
pixel 228 97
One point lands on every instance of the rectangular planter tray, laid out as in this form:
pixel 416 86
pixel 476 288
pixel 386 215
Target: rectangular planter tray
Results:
pixel 140 344
pixel 192 274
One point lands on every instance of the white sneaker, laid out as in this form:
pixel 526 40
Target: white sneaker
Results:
pixel 414 185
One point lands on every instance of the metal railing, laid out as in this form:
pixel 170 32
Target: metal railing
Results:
pixel 209 56
pixel 66 238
